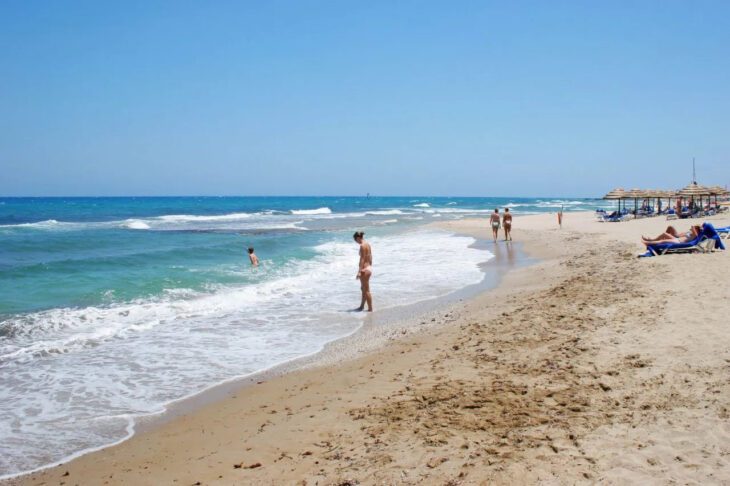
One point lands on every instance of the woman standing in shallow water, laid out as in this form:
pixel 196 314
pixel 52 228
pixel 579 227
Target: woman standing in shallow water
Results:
pixel 365 270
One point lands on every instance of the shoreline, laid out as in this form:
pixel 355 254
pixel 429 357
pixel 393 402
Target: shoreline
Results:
pixel 566 378
pixel 373 333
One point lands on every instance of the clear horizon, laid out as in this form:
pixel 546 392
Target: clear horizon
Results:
pixel 316 98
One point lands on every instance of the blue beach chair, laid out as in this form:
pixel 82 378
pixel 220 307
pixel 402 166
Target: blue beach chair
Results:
pixel 708 240
pixel 724 232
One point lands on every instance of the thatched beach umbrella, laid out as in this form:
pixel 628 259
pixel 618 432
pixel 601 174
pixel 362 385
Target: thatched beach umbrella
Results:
pixel 669 195
pixel 635 194
pixel 693 191
pixel 617 194
pixel 655 194
pixel 718 191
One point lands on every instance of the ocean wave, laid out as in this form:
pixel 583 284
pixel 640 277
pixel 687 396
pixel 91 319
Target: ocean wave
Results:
pixel 422 205
pixel 119 353
pixel 304 212
pixel 48 223
pixel 135 224
pixel 456 211
pixel 559 202
pixel 385 212
pixel 185 218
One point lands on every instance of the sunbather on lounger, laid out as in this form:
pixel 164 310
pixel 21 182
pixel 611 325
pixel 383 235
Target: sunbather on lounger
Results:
pixel 671 235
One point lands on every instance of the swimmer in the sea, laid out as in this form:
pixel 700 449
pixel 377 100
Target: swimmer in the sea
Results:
pixel 364 270
pixel 252 256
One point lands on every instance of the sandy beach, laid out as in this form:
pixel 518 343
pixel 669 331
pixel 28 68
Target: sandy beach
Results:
pixel 591 365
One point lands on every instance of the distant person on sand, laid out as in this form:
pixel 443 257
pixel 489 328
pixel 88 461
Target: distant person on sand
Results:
pixel 365 270
pixel 494 223
pixel 252 256
pixel 507 223
pixel 671 235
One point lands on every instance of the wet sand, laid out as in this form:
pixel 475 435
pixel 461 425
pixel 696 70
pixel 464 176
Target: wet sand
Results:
pixel 591 365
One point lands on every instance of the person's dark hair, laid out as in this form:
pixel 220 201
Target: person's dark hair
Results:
pixel 250 249
pixel 506 210
pixel 358 234
pixel 496 210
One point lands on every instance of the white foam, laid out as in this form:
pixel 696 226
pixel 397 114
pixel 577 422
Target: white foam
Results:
pixel 385 212
pixel 49 223
pixel 422 205
pixel 78 374
pixel 311 211
pixel 136 224
pixel 184 218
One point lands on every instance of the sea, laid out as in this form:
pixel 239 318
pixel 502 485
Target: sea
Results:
pixel 111 309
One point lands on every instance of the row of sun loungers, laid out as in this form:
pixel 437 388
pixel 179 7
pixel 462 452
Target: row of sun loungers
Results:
pixel 670 213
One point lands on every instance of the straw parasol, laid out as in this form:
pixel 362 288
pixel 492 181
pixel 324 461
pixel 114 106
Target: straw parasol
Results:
pixel 655 194
pixel 617 194
pixel 718 191
pixel 669 195
pixel 635 194
pixel 694 190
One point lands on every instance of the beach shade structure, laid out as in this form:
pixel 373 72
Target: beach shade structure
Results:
pixel 669 195
pixel 618 194
pixel 694 191
pixel 635 194
pixel 718 191
pixel 655 194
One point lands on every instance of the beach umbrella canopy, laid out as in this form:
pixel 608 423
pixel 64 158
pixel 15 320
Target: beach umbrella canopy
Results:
pixel 635 194
pixel 719 191
pixel 694 190
pixel 617 193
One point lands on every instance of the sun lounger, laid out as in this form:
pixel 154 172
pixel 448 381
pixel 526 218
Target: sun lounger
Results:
pixel 605 217
pixel 724 232
pixel 708 240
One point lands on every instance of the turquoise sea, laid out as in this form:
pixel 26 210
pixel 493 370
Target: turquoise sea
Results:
pixel 112 308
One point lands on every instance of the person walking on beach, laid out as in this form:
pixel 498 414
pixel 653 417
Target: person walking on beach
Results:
pixel 364 270
pixel 507 223
pixel 252 256
pixel 494 223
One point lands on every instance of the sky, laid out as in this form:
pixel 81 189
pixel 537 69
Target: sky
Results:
pixel 454 98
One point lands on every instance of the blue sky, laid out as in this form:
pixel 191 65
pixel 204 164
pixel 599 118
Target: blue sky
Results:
pixel 343 98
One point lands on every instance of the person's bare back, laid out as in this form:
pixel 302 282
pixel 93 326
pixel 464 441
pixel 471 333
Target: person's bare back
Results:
pixel 252 257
